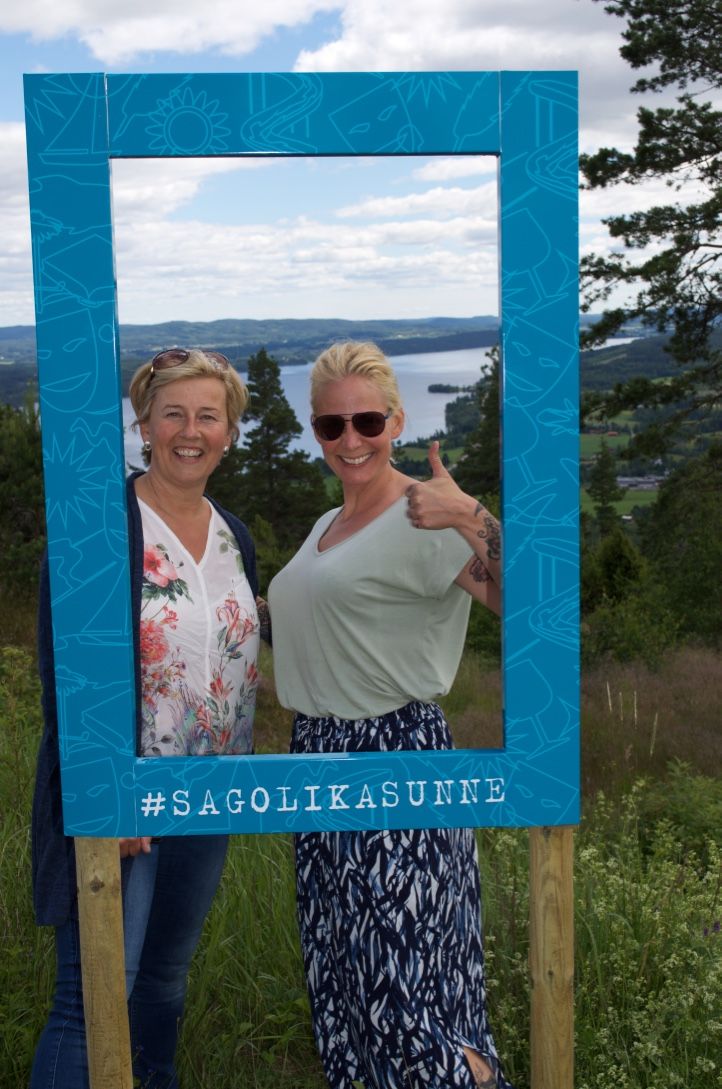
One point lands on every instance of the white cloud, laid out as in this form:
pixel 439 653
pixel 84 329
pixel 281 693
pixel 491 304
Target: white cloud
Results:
pixel 16 275
pixel 459 166
pixel 146 188
pixel 596 204
pixel 13 176
pixel 303 267
pixel 441 201
pixel 494 34
pixel 116 33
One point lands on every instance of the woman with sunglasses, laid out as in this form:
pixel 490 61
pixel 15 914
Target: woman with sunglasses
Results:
pixel 195 637
pixel 369 623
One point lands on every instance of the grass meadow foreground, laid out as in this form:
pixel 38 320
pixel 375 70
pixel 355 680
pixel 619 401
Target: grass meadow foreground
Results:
pixel 648 898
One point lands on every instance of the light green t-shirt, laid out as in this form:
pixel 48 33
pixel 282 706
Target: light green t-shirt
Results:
pixel 372 622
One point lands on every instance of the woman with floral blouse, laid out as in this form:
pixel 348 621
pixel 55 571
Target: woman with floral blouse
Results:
pixel 196 634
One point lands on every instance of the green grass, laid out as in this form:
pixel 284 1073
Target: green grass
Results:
pixel 633 497
pixel 590 444
pixel 415 453
pixel 421 453
pixel 648 898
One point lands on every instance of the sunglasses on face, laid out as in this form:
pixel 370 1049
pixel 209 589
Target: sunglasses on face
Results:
pixel 331 426
pixel 173 357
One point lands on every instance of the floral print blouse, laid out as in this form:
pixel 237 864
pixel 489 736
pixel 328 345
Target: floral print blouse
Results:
pixel 199 637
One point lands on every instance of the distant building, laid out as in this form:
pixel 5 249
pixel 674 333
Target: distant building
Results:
pixel 648 483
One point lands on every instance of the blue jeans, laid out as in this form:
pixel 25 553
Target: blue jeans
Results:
pixel 166 897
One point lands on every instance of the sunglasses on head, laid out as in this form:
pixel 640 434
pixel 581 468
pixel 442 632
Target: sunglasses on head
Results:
pixel 331 426
pixel 173 357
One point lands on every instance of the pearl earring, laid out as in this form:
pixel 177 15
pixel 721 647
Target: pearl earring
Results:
pixel 146 446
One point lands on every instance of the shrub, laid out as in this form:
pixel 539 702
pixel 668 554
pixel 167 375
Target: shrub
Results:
pixel 639 626
pixel 483 636
pixel 688 803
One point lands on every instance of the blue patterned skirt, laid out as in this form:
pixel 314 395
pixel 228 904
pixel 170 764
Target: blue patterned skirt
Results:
pixel 390 927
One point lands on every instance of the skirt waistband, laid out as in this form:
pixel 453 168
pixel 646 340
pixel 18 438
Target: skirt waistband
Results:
pixel 414 726
pixel 407 713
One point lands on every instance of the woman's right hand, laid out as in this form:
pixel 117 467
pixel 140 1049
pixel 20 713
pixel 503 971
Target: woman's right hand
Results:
pixel 264 619
pixel 134 846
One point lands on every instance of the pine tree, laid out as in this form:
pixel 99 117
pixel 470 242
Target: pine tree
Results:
pixel 603 488
pixel 262 476
pixel 671 261
pixel 22 512
pixel 681 537
pixel 477 471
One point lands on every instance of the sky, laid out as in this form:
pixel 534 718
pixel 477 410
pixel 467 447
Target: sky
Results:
pixel 203 239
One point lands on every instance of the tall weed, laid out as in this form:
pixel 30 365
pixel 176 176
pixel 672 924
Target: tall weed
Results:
pixel 649 970
pixel 28 961
pixel 636 720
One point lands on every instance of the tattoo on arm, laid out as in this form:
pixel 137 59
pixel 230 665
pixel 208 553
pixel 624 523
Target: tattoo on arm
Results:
pixel 477 571
pixel 489 533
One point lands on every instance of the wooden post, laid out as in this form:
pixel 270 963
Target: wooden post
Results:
pixel 102 960
pixel 551 957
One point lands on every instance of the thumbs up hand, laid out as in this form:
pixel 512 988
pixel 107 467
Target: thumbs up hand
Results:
pixel 438 503
pixel 438 469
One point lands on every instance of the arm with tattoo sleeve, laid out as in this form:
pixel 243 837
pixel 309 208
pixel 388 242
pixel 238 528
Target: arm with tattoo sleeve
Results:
pixel 439 503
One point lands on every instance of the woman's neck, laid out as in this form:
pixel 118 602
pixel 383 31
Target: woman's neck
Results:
pixel 369 499
pixel 171 502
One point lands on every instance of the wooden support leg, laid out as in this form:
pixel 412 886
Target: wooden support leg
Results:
pixel 551 957
pixel 101 953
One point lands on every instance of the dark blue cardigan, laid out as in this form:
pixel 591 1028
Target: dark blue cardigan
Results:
pixel 53 853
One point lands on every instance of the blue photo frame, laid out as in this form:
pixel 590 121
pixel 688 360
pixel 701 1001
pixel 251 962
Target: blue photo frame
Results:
pixel 76 126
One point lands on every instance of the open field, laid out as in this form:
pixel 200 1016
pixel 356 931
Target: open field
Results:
pixel 648 897
pixel 633 497
pixel 591 444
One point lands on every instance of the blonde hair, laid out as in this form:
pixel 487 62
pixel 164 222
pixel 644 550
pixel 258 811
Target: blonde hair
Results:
pixel 144 385
pixel 352 357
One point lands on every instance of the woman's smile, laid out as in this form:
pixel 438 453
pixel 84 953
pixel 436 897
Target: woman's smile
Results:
pixel 356 461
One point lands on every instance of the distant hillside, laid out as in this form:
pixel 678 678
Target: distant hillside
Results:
pixel 296 334
pixel 643 357
pixel 289 341
pixel 297 341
